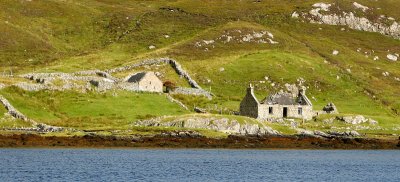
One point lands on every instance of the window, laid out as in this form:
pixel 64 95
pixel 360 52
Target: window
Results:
pixel 270 110
pixel 300 111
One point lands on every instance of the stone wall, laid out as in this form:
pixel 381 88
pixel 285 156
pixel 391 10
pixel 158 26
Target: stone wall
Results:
pixel 249 105
pixel 150 83
pixel 176 101
pixel 292 111
pixel 191 91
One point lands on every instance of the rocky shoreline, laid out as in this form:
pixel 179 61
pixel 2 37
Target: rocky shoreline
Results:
pixel 196 141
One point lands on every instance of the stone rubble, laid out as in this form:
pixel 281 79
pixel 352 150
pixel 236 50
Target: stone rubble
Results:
pixel 237 36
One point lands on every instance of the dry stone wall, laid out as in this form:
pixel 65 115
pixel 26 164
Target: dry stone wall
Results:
pixel 191 91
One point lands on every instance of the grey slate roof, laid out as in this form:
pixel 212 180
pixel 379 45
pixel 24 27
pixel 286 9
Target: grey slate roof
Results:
pixel 286 99
pixel 280 98
pixel 136 77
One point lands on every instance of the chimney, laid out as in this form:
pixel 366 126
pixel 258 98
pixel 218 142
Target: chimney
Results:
pixel 250 89
pixel 302 91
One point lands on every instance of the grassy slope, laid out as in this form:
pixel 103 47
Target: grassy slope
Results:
pixel 112 33
pixel 90 111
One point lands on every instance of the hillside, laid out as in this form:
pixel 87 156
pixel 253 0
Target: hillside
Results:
pixel 223 45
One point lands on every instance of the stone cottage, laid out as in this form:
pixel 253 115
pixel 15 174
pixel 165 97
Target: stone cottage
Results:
pixel 275 106
pixel 145 81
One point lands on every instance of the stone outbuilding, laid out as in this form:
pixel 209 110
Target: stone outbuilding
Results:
pixel 275 106
pixel 145 81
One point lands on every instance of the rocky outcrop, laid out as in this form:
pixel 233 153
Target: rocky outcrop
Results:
pixel 321 14
pixel 353 119
pixel 181 134
pixel 218 124
pixel 329 134
pixel 344 134
pixel 47 128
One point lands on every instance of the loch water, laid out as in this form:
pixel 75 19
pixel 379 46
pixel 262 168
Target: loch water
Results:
pixel 198 165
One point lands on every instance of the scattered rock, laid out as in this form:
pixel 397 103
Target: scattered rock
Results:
pixel 392 57
pixel 152 47
pixel 335 52
pixel 385 73
pixel 344 134
pixel 372 122
pixel 295 15
pixel 359 6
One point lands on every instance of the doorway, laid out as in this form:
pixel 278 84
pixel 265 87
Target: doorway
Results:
pixel 285 112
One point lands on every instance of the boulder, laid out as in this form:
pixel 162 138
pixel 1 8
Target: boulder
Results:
pixel 353 120
pixel 391 57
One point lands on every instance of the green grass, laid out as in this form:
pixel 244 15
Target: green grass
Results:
pixel 91 110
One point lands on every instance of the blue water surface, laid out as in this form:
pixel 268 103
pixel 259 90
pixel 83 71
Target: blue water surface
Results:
pixel 198 165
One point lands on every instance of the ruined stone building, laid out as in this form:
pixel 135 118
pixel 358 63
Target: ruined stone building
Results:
pixel 145 81
pixel 275 106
